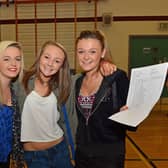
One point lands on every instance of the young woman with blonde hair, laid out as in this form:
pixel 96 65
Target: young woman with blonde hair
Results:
pixel 11 68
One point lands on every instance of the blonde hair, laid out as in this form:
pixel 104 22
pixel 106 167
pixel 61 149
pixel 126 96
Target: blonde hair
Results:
pixel 3 46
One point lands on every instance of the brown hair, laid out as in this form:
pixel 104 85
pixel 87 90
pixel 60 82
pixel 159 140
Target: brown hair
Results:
pixel 98 35
pixel 60 80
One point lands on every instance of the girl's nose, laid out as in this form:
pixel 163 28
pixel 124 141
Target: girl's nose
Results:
pixel 86 55
pixel 50 62
pixel 13 62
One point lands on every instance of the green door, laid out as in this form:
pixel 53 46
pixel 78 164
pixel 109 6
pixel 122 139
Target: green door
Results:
pixel 148 50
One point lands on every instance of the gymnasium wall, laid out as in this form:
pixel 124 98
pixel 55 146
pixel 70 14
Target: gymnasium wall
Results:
pixel 128 18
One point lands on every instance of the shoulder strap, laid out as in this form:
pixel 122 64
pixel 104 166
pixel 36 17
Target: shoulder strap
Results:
pixel 69 133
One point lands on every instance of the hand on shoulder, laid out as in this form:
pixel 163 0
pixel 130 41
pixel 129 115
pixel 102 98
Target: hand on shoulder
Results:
pixel 107 68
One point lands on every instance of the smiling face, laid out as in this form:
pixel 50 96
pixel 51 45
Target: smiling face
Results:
pixel 51 61
pixel 89 54
pixel 10 63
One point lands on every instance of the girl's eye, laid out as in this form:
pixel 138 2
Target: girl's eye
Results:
pixel 46 56
pixel 57 61
pixel 80 52
pixel 6 59
pixel 18 59
pixel 92 52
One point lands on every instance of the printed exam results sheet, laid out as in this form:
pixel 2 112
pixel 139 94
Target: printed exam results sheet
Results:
pixel 146 85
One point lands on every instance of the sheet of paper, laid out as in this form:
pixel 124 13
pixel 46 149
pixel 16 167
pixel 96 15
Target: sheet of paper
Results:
pixel 146 85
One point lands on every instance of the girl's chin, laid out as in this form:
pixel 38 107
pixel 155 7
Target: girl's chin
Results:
pixel 13 75
pixel 86 69
pixel 47 75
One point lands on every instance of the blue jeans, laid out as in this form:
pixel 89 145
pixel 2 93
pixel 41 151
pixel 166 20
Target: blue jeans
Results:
pixel 55 157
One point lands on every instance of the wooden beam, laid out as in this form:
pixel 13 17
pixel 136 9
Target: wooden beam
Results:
pixel 47 1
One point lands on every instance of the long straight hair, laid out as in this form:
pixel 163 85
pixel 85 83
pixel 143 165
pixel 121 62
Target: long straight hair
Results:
pixel 60 80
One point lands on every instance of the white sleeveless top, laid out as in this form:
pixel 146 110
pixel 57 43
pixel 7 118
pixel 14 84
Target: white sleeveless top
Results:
pixel 39 119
